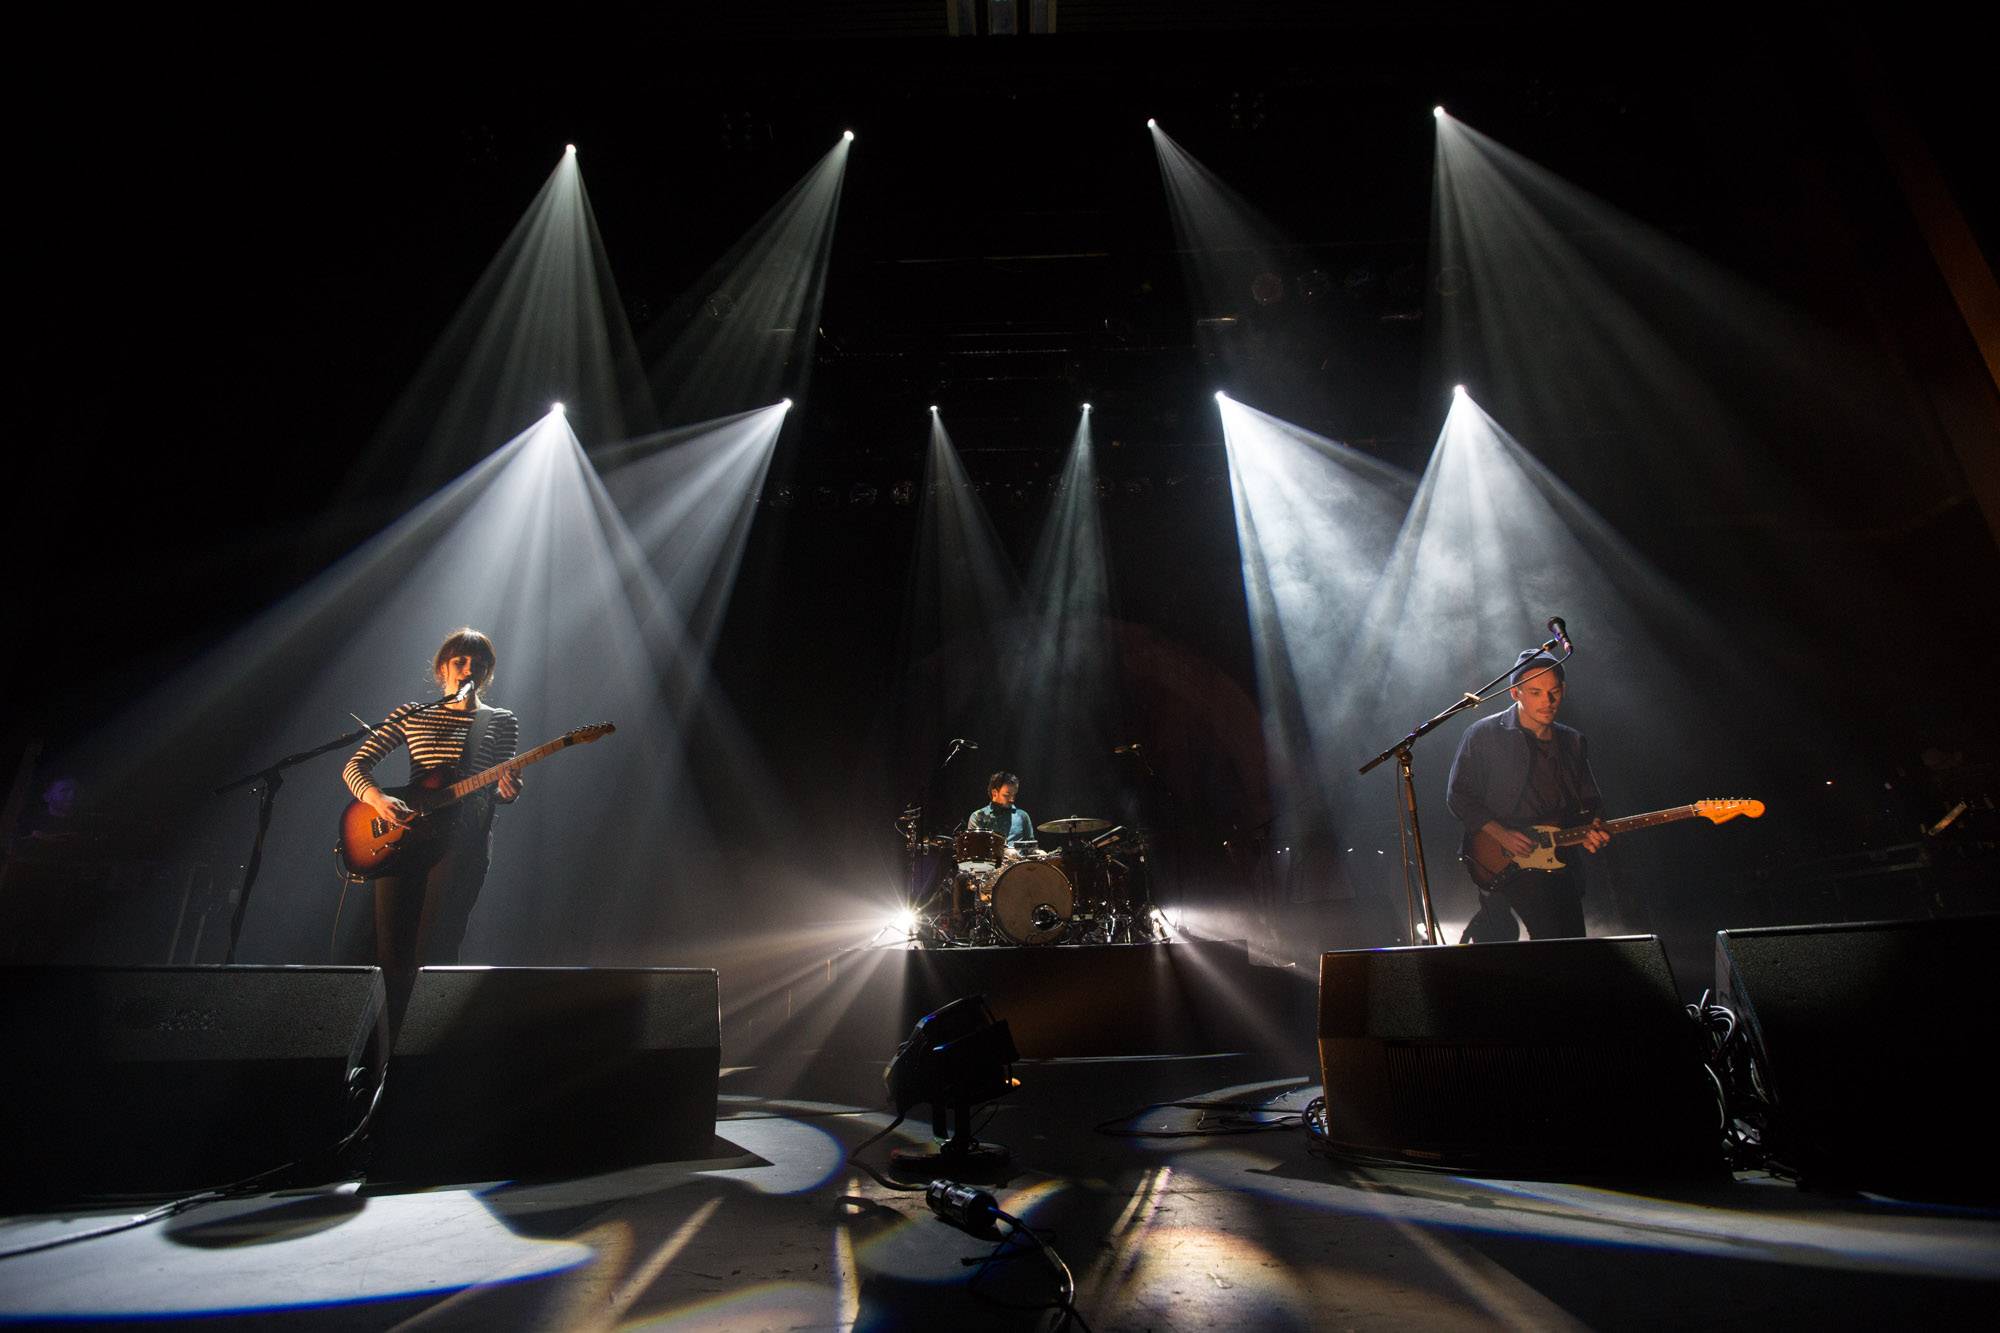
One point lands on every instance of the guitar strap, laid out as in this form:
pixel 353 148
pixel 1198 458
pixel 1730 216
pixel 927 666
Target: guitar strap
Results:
pixel 475 737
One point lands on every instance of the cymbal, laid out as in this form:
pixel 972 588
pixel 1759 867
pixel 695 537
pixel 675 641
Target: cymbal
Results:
pixel 1074 824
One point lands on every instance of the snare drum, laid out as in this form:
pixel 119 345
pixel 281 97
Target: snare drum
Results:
pixel 1032 902
pixel 978 850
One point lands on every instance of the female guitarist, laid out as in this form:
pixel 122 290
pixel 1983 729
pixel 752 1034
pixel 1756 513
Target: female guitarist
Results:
pixel 420 913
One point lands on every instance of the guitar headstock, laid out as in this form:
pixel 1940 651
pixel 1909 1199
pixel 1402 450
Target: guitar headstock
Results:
pixel 1723 810
pixel 585 735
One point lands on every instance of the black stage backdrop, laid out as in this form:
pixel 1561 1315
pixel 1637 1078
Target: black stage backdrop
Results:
pixel 242 244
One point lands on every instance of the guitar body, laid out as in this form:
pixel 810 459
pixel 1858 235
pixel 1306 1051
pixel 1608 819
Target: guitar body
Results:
pixel 371 847
pixel 1489 862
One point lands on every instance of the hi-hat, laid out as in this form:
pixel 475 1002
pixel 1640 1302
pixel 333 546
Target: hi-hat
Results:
pixel 1074 824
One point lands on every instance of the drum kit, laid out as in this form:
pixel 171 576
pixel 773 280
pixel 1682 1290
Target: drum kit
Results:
pixel 1089 887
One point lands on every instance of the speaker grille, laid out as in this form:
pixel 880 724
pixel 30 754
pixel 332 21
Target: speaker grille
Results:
pixel 1568 1055
pixel 154 1079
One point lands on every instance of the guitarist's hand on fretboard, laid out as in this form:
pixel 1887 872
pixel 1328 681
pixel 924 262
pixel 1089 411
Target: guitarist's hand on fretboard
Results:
pixel 1595 836
pixel 507 786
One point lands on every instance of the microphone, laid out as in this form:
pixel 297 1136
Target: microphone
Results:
pixel 964 744
pixel 1561 631
pixel 465 690
pixel 1125 749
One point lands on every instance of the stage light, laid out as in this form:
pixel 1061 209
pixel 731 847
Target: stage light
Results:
pixel 1220 396
pixel 786 404
pixel 556 408
pixel 1086 407
pixel 847 136
pixel 933 407
pixel 1152 124
pixel 1438 112
pixel 1458 391
pixel 955 1058
pixel 569 149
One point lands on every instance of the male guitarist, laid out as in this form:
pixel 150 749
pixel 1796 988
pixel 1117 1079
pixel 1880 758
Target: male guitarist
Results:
pixel 1516 769
pixel 420 915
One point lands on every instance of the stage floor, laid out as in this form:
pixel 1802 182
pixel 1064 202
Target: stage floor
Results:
pixel 1215 1231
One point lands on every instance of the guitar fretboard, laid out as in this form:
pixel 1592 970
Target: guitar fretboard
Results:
pixel 465 787
pixel 1569 837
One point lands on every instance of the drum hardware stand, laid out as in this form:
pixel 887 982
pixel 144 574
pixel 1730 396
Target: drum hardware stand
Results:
pixel 1408 827
pixel 1163 807
pixel 912 822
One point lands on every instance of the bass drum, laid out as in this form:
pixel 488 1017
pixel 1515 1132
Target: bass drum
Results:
pixel 1032 902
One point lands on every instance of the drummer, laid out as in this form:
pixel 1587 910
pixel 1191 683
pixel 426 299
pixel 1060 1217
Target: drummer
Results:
pixel 1000 814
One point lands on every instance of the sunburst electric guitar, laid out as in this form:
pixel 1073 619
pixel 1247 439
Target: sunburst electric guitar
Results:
pixel 372 847
pixel 1492 865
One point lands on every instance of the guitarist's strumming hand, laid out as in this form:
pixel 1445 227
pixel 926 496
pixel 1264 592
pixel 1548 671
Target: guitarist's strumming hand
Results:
pixel 387 806
pixel 1516 843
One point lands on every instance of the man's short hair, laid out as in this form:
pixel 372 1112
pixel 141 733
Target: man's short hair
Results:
pixel 1530 661
pixel 1002 779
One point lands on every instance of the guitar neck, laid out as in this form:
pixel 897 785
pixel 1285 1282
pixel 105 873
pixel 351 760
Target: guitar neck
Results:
pixel 1569 837
pixel 466 786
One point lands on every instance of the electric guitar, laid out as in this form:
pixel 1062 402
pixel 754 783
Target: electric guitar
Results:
pixel 371 846
pixel 1490 864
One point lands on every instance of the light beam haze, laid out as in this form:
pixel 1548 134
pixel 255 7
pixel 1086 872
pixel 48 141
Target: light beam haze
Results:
pixel 1692 406
pixel 961 588
pixel 744 334
pixel 690 495
pixel 1061 670
pixel 543 324
pixel 600 851
pixel 1315 522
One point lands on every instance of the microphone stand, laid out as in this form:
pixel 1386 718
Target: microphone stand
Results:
pixel 918 831
pixel 1414 827
pixel 268 781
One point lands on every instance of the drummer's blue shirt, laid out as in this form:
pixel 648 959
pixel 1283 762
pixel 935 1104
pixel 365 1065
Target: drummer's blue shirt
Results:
pixel 1010 822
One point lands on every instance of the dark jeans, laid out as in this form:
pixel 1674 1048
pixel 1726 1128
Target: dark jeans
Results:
pixel 420 918
pixel 1549 903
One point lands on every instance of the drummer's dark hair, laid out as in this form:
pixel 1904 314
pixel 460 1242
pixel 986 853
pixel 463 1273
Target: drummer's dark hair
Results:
pixel 1002 779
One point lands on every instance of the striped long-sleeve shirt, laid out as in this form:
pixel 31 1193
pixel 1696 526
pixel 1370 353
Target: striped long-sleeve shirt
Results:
pixel 435 739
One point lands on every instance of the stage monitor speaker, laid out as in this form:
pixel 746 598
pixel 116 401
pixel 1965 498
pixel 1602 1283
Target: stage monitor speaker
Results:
pixel 1554 1056
pixel 152 1080
pixel 511 1072
pixel 1871 1042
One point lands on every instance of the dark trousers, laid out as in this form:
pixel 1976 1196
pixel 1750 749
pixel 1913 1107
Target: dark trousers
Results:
pixel 1548 902
pixel 420 918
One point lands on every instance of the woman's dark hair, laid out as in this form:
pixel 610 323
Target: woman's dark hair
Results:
pixel 466 641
